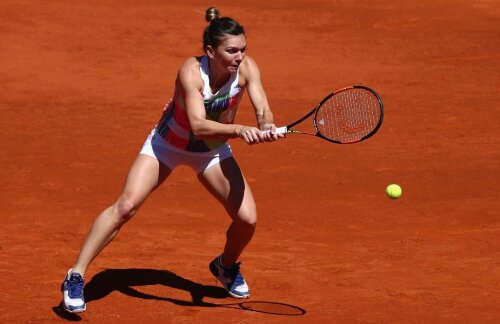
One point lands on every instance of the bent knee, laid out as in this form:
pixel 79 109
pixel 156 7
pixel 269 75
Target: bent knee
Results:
pixel 125 208
pixel 247 218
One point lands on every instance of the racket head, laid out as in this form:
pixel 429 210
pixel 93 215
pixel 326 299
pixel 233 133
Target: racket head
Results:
pixel 349 115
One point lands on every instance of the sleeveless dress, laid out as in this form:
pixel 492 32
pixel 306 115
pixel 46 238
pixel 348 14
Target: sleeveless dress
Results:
pixel 221 107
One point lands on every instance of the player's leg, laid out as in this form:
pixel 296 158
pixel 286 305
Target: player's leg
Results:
pixel 226 182
pixel 146 174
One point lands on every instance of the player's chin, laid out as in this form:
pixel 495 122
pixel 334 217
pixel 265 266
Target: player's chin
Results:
pixel 232 68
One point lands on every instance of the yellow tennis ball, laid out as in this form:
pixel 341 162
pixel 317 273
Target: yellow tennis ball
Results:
pixel 394 191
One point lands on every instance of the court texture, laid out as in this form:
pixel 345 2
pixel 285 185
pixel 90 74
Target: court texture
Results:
pixel 83 83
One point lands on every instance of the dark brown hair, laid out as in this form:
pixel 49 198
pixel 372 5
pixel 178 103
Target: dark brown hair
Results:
pixel 219 27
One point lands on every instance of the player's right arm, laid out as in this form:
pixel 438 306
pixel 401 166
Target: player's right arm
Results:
pixel 190 85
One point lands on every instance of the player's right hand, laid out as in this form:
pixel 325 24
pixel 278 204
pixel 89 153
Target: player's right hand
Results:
pixel 251 135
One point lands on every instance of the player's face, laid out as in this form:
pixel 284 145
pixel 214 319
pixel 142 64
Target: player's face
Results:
pixel 230 52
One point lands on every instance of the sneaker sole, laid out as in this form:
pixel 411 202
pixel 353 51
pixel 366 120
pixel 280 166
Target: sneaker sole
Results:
pixel 76 310
pixel 238 296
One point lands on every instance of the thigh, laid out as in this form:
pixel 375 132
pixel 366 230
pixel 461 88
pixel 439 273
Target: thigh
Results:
pixel 226 183
pixel 145 175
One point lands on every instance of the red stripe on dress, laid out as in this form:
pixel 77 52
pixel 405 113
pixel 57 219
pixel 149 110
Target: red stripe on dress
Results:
pixel 175 140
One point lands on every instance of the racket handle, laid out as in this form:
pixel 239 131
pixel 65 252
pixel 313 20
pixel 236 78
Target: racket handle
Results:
pixel 281 130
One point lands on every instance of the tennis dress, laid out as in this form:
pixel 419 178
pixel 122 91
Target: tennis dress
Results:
pixel 221 107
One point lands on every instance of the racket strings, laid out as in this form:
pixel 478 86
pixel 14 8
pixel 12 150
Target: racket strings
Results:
pixel 349 115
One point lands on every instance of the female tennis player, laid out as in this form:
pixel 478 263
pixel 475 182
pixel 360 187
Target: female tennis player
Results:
pixel 193 130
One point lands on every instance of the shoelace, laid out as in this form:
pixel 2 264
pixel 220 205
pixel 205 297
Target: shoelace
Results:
pixel 75 286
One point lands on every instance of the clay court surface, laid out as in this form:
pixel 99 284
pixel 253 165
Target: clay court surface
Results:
pixel 83 83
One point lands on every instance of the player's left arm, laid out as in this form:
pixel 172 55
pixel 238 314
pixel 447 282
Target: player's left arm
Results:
pixel 258 98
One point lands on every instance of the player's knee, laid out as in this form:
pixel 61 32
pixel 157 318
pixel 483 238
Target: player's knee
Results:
pixel 247 218
pixel 126 208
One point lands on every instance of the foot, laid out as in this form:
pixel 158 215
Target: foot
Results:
pixel 72 289
pixel 231 278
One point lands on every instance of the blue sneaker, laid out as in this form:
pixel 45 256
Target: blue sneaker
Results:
pixel 231 279
pixel 72 289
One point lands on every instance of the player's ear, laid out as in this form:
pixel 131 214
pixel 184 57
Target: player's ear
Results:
pixel 210 51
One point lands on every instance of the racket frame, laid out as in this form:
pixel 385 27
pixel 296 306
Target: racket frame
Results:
pixel 288 129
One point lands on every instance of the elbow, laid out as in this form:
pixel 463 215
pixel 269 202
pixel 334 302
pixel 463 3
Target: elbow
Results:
pixel 204 129
pixel 198 130
pixel 197 133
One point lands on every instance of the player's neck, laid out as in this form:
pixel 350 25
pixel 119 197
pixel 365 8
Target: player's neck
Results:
pixel 217 77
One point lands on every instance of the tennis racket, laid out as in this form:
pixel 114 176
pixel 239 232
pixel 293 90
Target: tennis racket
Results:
pixel 346 116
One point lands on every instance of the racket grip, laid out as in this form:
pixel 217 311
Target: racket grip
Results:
pixel 281 130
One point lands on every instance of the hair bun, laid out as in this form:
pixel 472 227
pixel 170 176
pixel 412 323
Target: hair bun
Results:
pixel 211 14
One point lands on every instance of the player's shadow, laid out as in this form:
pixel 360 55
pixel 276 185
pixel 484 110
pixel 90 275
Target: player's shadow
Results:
pixel 124 281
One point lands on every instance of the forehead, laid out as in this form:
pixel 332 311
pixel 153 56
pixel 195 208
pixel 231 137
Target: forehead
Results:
pixel 238 41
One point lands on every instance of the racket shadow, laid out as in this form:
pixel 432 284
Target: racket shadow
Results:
pixel 267 307
pixel 124 281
